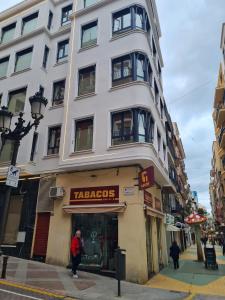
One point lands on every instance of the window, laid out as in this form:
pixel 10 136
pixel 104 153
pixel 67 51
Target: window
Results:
pixel 63 50
pixel 161 109
pixel 154 48
pixel 159 69
pixel 4 66
pixel 156 91
pixel 164 151
pixel 89 2
pixel 17 100
pixel 159 141
pixel 54 140
pixel 50 18
pixel 45 57
pixel 84 135
pixel 8 33
pixel 58 92
pixel 7 151
pixel 66 12
pixel 23 59
pixel 34 146
pixel 29 23
pixel 13 220
pixel 86 81
pixel 41 90
pixel 134 125
pixel 89 34
pixel 130 18
pixel 134 66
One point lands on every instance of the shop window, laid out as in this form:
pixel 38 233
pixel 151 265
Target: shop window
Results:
pixel 130 18
pixel 50 18
pixel 89 34
pixel 4 66
pixel 29 23
pixel 34 146
pixel 63 50
pixel 45 57
pixel 8 33
pixel 135 125
pixel 86 81
pixel 23 59
pixel 54 134
pixel 132 67
pixel 159 141
pixel 89 2
pixel 66 12
pixel 17 100
pixel 84 134
pixel 58 92
pixel 13 221
pixel 6 152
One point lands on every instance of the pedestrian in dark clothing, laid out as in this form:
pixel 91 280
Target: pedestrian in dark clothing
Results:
pixel 76 251
pixel 175 253
pixel 223 245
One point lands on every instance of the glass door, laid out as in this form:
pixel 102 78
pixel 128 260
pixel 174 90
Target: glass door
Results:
pixel 100 235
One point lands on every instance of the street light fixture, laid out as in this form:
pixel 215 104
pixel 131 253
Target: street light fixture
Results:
pixel 38 104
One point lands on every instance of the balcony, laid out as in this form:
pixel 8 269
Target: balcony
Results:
pixel 220 116
pixel 177 209
pixel 219 95
pixel 171 148
pixel 221 138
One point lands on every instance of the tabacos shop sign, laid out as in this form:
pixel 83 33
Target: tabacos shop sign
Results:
pixel 94 195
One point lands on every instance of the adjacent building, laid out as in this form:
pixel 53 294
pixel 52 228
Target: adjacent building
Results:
pixel 99 65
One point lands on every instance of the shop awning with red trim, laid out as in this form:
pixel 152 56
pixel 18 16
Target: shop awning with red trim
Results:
pixel 95 208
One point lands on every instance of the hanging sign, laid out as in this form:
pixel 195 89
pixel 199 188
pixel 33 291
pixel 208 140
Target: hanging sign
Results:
pixel 146 178
pixel 94 195
pixel 13 176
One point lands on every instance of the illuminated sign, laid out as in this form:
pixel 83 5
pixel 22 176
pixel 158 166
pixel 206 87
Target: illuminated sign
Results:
pixel 146 178
pixel 94 195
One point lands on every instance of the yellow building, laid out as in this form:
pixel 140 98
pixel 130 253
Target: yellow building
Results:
pixel 123 215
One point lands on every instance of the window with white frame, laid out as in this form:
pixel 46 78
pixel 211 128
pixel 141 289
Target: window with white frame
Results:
pixel 58 92
pixel 63 50
pixel 23 59
pixel 54 134
pixel 84 134
pixel 29 23
pixel 66 13
pixel 16 100
pixel 86 81
pixel 4 62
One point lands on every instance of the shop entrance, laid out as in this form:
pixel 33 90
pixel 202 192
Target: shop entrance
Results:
pixel 100 234
pixel 149 246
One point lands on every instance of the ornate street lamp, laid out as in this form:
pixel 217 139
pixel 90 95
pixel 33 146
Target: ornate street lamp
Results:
pixel 38 105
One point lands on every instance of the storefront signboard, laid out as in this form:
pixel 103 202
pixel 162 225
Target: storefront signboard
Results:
pixel 94 195
pixel 158 204
pixel 148 199
pixel 146 178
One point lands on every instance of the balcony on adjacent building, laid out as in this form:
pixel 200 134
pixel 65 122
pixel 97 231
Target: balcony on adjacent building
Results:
pixel 221 138
pixel 219 96
pixel 220 116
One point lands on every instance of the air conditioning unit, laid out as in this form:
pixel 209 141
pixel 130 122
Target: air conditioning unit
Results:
pixel 56 192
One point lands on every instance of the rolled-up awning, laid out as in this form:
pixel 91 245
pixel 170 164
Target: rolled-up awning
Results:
pixel 172 228
pixel 95 208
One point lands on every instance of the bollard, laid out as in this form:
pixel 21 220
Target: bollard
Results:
pixel 120 267
pixel 4 266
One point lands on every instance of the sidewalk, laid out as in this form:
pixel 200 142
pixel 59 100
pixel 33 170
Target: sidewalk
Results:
pixel 88 286
pixel 192 277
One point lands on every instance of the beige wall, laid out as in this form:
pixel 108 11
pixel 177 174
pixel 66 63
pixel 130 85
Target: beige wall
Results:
pixel 131 223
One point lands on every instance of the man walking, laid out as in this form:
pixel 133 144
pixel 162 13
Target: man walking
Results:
pixel 175 253
pixel 76 251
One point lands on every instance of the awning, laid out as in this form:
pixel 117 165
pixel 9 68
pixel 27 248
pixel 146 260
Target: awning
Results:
pixel 172 228
pixel 95 208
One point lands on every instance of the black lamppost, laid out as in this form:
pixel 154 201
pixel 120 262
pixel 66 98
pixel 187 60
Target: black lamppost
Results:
pixel 38 104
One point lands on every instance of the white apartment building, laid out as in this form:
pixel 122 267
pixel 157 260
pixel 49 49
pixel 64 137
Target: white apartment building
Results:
pixel 99 65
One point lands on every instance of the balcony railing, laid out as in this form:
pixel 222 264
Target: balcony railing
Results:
pixel 171 148
pixel 221 138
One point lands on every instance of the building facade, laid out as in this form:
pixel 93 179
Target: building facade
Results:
pixel 99 65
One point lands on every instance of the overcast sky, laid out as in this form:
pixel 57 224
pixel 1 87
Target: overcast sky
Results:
pixel 190 46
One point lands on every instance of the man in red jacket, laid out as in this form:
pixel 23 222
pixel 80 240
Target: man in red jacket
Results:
pixel 76 251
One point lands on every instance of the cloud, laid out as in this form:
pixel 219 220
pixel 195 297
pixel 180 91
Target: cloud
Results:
pixel 190 46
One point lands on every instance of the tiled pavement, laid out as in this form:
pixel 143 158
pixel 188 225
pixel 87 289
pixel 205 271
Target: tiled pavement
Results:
pixel 88 286
pixel 192 277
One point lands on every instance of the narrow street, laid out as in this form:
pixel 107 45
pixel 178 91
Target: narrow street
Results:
pixel 192 277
